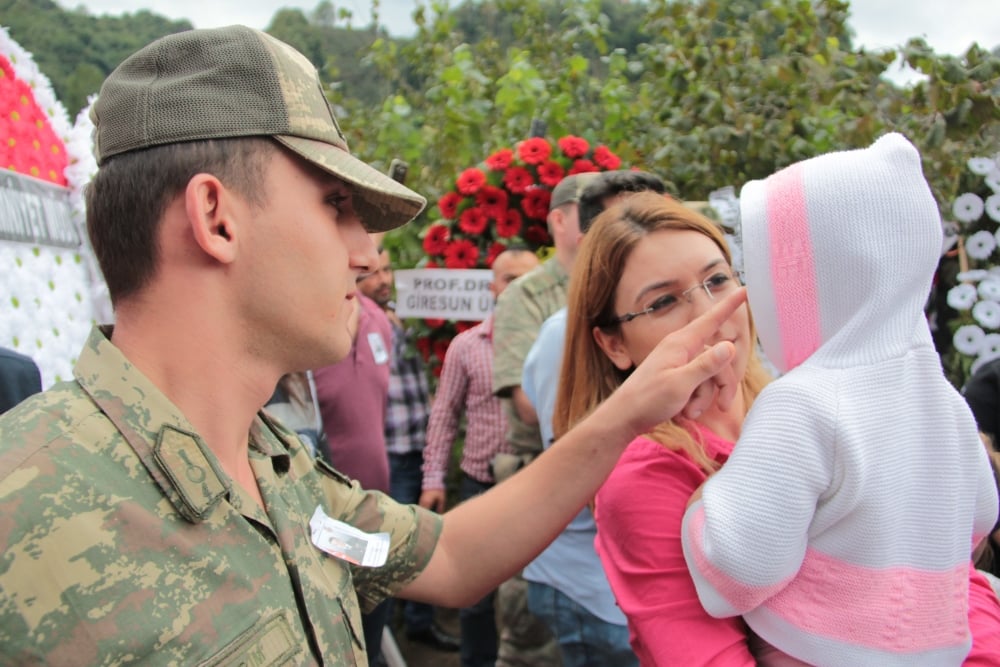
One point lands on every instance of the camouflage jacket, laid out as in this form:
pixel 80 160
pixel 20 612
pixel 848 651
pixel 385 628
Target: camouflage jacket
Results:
pixel 520 311
pixel 124 542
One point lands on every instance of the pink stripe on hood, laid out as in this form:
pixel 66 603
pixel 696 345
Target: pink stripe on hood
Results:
pixel 793 272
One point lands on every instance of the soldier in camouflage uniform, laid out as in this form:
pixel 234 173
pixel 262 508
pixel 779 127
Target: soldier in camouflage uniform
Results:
pixel 520 312
pixel 150 511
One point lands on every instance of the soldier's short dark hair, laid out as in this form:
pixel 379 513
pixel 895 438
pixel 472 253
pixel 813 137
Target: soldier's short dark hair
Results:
pixel 131 191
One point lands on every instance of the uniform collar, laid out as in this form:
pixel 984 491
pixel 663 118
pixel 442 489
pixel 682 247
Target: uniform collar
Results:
pixel 175 456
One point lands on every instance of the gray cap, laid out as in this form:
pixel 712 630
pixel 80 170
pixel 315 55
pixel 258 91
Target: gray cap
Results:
pixel 569 189
pixel 238 82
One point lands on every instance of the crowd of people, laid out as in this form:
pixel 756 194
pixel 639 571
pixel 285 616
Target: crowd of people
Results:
pixel 634 486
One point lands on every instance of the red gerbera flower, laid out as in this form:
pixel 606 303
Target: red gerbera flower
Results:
pixel 508 226
pixel 536 203
pixel 448 205
pixel 496 248
pixel 582 166
pixel 441 348
pixel 500 160
pixel 473 221
pixel 534 150
pixel 436 239
pixel 464 326
pixel 492 200
pixel 431 264
pixel 537 234
pixel 470 180
pixel 461 254
pixel 434 323
pixel 606 159
pixel 424 347
pixel 518 179
pixel 550 173
pixel 573 147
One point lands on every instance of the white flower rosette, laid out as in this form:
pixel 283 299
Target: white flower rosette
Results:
pixel 981 245
pixel 993 180
pixel 972 276
pixel 992 207
pixel 987 313
pixel 981 166
pixel 989 288
pixel 989 349
pixel 961 297
pixel 968 339
pixel 967 207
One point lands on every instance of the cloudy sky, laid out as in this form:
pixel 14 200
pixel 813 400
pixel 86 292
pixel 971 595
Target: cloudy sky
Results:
pixel 949 26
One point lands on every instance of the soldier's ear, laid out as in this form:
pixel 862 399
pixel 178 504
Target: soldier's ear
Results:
pixel 213 214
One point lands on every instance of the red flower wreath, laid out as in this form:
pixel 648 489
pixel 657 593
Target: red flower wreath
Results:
pixel 503 201
pixel 28 144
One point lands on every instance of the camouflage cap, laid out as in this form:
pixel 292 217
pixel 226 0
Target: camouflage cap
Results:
pixel 569 189
pixel 238 82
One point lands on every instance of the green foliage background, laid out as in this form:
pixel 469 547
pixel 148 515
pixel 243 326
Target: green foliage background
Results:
pixel 706 93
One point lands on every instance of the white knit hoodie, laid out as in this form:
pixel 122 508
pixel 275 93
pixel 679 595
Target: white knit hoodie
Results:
pixel 841 527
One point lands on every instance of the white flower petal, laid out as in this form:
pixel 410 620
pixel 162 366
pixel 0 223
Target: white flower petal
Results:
pixel 993 207
pixel 990 345
pixel 982 359
pixel 967 207
pixel 989 289
pixel 973 276
pixel 987 313
pixel 981 245
pixel 961 297
pixel 993 180
pixel 981 165
pixel 968 339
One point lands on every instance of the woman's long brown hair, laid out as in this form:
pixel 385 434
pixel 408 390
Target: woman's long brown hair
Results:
pixel 587 376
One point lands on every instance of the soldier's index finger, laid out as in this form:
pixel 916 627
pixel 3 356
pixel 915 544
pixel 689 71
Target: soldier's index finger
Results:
pixel 698 331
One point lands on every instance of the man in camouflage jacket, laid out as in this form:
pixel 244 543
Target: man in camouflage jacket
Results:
pixel 150 511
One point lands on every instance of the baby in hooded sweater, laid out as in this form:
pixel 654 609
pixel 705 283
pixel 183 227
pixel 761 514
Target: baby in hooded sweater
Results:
pixel 842 525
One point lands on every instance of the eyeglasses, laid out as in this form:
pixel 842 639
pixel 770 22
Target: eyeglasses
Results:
pixel 717 284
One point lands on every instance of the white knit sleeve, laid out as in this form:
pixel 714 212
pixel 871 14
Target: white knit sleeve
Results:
pixel 747 536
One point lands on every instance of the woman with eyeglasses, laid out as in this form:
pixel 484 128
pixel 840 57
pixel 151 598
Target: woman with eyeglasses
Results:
pixel 645 268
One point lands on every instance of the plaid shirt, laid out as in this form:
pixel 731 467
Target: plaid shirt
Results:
pixel 466 385
pixel 408 403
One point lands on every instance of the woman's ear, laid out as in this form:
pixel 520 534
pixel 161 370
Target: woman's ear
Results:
pixel 613 347
pixel 209 207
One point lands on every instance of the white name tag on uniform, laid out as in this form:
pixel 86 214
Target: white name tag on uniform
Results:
pixel 346 542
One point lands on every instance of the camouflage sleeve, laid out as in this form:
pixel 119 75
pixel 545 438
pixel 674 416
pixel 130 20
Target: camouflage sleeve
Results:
pixel 413 534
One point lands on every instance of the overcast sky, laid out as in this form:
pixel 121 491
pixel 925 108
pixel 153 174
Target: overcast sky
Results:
pixel 949 26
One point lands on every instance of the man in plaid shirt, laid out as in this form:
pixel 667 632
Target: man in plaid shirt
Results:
pixel 467 386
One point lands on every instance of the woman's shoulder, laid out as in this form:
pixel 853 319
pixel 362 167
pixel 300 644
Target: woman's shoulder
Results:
pixel 647 462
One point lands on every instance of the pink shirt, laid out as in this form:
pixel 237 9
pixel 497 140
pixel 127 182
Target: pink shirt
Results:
pixel 465 387
pixel 352 402
pixel 638 514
